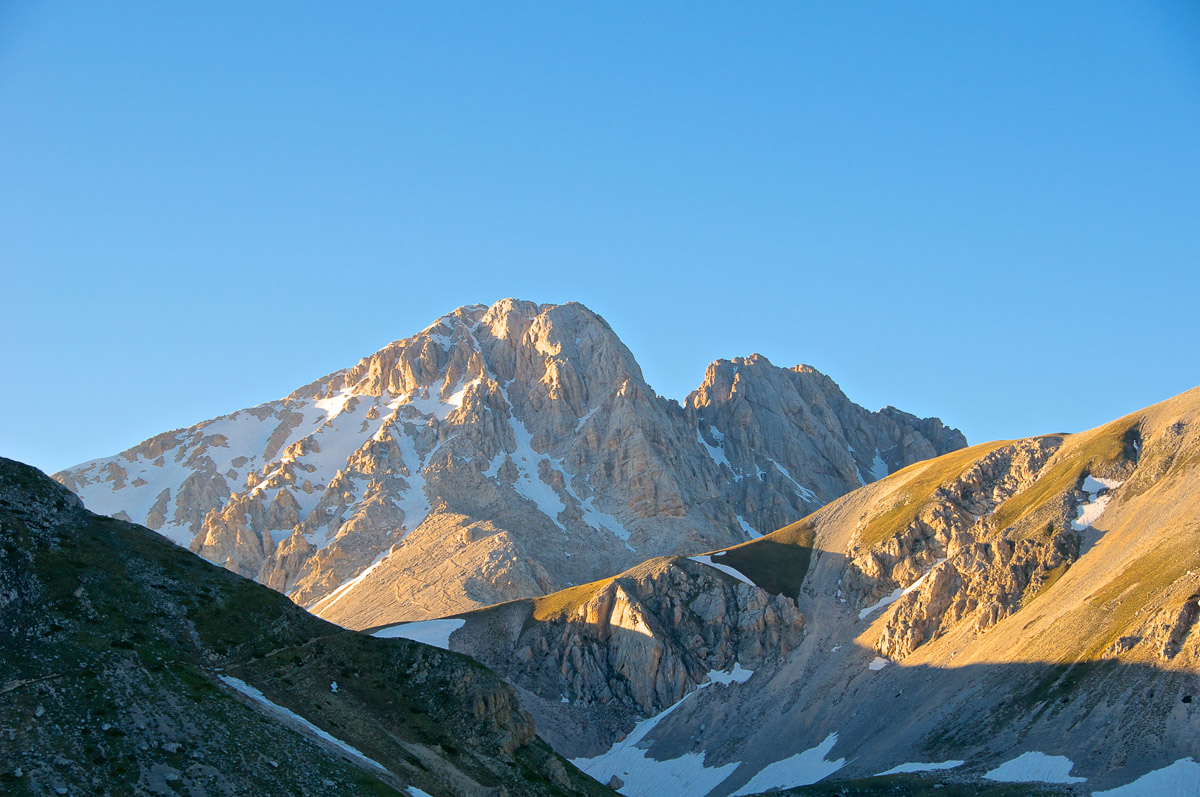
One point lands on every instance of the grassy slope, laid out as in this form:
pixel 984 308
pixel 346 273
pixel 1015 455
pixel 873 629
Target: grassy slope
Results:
pixel 1096 450
pixel 115 626
pixel 777 562
pixel 922 479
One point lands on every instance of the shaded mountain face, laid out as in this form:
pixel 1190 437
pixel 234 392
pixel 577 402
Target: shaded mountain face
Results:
pixel 1016 610
pixel 129 665
pixel 503 452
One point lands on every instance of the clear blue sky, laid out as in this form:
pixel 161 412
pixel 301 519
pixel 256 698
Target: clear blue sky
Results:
pixel 988 212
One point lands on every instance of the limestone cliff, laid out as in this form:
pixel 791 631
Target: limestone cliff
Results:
pixel 629 647
pixel 503 452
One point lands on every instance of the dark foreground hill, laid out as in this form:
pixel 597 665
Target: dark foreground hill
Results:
pixel 129 665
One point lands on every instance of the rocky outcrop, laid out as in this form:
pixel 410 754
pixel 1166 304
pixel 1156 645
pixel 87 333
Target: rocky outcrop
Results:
pixel 498 439
pixel 965 565
pixel 987 581
pixel 947 519
pixel 640 641
pixel 789 440
pixel 1173 628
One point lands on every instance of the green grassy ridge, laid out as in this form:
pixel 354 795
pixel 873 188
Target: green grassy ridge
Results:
pixel 777 562
pixel 1098 450
pixel 921 482
pixel 123 618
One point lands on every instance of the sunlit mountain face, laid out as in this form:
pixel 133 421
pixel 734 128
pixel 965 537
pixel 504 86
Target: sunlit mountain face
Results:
pixel 503 452
pixel 1017 612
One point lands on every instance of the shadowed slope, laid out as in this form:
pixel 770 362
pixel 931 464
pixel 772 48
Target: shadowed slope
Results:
pixel 116 650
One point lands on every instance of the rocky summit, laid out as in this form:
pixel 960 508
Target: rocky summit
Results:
pixel 504 452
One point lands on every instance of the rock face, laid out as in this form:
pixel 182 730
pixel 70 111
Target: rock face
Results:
pixel 953 556
pixel 504 452
pixel 792 440
pixel 633 645
pixel 130 666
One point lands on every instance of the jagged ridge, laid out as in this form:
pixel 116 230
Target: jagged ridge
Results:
pixel 503 452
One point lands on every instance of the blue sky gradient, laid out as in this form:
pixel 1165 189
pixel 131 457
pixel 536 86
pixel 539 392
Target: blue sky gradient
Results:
pixel 985 212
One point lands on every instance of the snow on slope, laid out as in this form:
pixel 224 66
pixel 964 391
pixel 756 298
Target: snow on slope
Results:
pixel 430 632
pixel 920 767
pixel 726 569
pixel 294 719
pixel 647 777
pixel 897 594
pixel 242 451
pixel 738 675
pixel 801 769
pixel 1180 779
pixel 1035 767
pixel 1091 511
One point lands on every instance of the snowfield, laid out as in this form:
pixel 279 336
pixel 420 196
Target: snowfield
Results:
pixel 1035 767
pixel 1181 779
pixel 430 632
pixel 801 769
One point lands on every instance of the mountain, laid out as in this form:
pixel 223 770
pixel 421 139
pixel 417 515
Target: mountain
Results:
pixel 1019 611
pixel 503 452
pixel 129 665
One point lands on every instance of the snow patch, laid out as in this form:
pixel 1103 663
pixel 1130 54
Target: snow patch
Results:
pixel 279 535
pixel 429 401
pixel 586 418
pixel 1181 779
pixel 879 468
pixel 717 452
pixel 897 594
pixel 1091 511
pixel 878 663
pixel 919 767
pixel 746 527
pixel 801 769
pixel 1035 767
pixel 726 569
pixel 646 777
pixel 805 493
pixel 413 502
pixel 292 718
pixel 738 675
pixel 528 483
pixel 430 632
pixel 333 406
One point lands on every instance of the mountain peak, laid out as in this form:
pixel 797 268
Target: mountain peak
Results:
pixel 503 451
